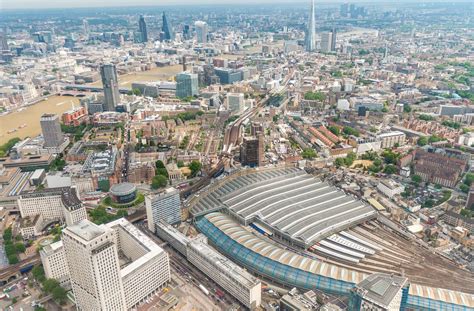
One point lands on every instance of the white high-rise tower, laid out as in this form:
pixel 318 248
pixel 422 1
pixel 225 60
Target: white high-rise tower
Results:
pixel 310 44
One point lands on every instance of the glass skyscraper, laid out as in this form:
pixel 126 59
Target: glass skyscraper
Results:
pixel 108 73
pixel 167 29
pixel 143 30
pixel 187 84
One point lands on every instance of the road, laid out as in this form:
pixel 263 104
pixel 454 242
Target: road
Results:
pixel 12 270
pixel 182 266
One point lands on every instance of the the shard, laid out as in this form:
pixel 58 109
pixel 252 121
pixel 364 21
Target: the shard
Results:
pixel 310 44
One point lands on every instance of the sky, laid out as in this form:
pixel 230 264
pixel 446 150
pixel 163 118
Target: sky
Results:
pixel 46 4
pixel 29 4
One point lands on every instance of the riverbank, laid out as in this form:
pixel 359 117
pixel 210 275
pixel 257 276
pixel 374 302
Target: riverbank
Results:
pixel 25 121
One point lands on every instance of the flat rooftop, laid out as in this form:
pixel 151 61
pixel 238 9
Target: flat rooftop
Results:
pixel 381 288
pixel 86 230
pixel 224 265
pixel 143 242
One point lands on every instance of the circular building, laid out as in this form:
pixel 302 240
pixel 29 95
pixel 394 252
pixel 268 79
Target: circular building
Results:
pixel 123 193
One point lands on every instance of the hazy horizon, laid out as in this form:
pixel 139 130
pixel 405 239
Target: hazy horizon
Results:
pixel 62 4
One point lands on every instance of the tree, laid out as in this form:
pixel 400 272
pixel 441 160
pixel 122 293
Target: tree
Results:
pixel 59 294
pixel 13 259
pixel 334 129
pixel 159 181
pixel 350 158
pixel 159 164
pixel 406 108
pixel 434 139
pixel 416 179
pixel 5 148
pixel 314 96
pixel 390 157
pixel 390 169
pixel 180 163
pixel 464 188
pixel 469 179
pixel 20 247
pixel 49 285
pixel 370 155
pixel 339 162
pixel 8 234
pixel 38 273
pixel 308 153
pixel 350 131
pixel 162 171
pixel 275 118
pixel 422 141
pixel 122 213
pixel 195 167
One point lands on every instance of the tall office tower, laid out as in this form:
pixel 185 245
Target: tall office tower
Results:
pixel 94 266
pixel 310 44
pixel 326 42
pixel 51 129
pixel 3 42
pixel 344 9
pixel 167 29
pixel 201 31
pixel 164 206
pixel 235 102
pixel 143 30
pixel 187 84
pixel 109 267
pixel 108 73
pixel 85 27
pixel 333 40
pixel 252 150
pixel 186 32
pixel 352 10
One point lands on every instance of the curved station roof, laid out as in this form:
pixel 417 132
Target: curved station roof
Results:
pixel 295 204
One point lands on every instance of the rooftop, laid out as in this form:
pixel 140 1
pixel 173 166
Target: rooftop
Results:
pixel 223 264
pixel 381 288
pixel 288 200
pixel 143 241
pixel 86 230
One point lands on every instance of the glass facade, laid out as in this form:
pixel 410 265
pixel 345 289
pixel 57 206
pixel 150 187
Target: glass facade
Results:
pixel 293 277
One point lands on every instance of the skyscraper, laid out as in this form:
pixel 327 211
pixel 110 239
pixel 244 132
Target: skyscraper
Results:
pixel 201 31
pixel 186 32
pixel 252 150
pixel 94 267
pixel 326 42
pixel 3 42
pixel 51 129
pixel 187 84
pixel 165 206
pixel 108 73
pixel 310 44
pixel 333 40
pixel 110 267
pixel 85 27
pixel 167 29
pixel 143 30
pixel 344 9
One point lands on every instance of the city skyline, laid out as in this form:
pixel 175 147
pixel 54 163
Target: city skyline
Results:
pixel 58 4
